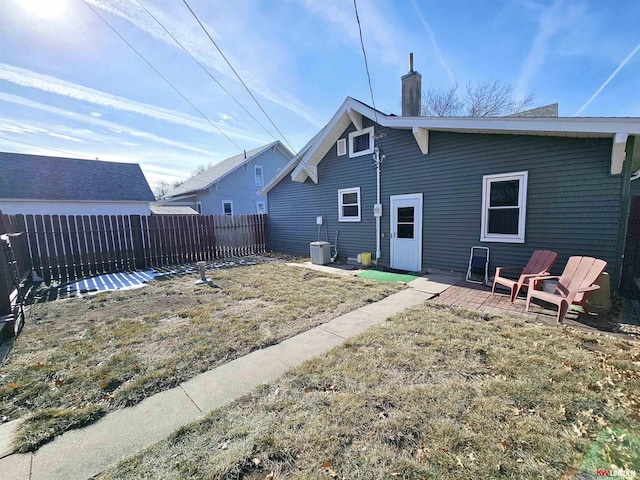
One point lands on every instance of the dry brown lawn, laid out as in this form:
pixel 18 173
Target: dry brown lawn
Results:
pixel 79 358
pixel 432 393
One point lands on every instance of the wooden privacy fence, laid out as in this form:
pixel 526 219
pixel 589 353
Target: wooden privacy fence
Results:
pixel 68 247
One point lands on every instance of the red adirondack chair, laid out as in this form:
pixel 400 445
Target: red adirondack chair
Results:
pixel 577 279
pixel 539 264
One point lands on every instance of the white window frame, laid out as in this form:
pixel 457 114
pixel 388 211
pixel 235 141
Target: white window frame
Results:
pixel 255 175
pixel 341 147
pixel 199 207
pixel 341 192
pixel 264 206
pixel 230 202
pixel 487 180
pixel 352 135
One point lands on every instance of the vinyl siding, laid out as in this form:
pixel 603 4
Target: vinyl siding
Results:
pixel 573 203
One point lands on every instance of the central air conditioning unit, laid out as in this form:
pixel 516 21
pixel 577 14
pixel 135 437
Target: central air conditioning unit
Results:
pixel 320 253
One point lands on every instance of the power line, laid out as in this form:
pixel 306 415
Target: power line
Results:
pixel 237 75
pixel 160 75
pixel 366 64
pixel 205 69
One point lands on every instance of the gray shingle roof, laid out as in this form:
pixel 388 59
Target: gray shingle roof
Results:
pixel 550 110
pixel 216 172
pixel 57 178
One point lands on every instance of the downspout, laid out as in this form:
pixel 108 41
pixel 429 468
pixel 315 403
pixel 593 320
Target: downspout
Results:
pixel 625 197
pixel 378 252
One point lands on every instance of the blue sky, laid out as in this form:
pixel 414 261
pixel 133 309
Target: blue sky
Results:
pixel 70 85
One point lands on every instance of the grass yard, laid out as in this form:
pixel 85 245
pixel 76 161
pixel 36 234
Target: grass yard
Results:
pixel 433 393
pixel 77 359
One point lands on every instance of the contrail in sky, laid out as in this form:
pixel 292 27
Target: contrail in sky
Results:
pixel 606 82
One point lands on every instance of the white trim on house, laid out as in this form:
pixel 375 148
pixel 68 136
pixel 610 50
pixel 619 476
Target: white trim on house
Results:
pixel 341 147
pixel 230 202
pixel 305 163
pixel 349 218
pixel 487 180
pixel 360 133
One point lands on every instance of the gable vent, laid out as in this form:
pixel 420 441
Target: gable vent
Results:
pixel 342 146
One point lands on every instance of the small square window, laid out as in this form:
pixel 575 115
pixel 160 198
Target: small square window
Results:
pixel 361 142
pixel 227 207
pixel 259 177
pixel 504 201
pixel 261 208
pixel 349 205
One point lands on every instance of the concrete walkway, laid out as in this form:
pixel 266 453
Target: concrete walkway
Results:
pixel 83 453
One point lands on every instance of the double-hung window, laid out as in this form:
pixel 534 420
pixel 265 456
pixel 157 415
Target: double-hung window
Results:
pixel 259 175
pixel 349 205
pixel 361 142
pixel 504 205
pixel 227 207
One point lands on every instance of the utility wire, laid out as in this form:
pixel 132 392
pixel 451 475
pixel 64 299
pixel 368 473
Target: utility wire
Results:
pixel 205 69
pixel 160 75
pixel 366 65
pixel 236 73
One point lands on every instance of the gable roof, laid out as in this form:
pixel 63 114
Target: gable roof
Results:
pixel 37 177
pixel 221 169
pixel 304 165
pixel 550 110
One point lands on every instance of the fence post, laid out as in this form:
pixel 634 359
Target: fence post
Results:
pixel 136 235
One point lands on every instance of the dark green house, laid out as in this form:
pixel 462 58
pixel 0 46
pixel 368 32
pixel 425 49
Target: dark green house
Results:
pixel 513 184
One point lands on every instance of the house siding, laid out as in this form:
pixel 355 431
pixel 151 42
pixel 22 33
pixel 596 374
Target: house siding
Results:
pixel 239 186
pixel 573 203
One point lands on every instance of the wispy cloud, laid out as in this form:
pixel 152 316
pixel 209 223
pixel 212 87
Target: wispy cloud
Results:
pixel 191 36
pixel 550 22
pixel 83 133
pixel 606 82
pixel 434 43
pixel 381 37
pixel 46 83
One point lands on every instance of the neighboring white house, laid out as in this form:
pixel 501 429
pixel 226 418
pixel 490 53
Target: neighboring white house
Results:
pixel 40 185
pixel 231 186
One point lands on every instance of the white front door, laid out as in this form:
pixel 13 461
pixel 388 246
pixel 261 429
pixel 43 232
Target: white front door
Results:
pixel 406 232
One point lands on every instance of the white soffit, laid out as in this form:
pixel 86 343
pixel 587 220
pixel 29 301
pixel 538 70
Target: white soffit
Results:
pixel 618 152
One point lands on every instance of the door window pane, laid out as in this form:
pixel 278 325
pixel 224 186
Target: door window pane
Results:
pixel 405 214
pixel 405 230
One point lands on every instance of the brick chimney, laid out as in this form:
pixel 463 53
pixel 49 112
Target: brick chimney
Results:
pixel 411 92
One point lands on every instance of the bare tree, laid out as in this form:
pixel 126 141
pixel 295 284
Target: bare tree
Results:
pixel 492 98
pixel 201 169
pixel 163 188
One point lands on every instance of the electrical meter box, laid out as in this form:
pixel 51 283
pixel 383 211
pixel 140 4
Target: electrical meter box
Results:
pixel 320 253
pixel 377 210
pixel 319 220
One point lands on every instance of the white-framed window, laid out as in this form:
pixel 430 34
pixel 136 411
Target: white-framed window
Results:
pixel 341 147
pixel 258 173
pixel 349 205
pixel 227 207
pixel 199 207
pixel 261 208
pixel 361 143
pixel 504 207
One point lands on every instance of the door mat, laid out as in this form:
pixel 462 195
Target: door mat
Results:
pixel 388 276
